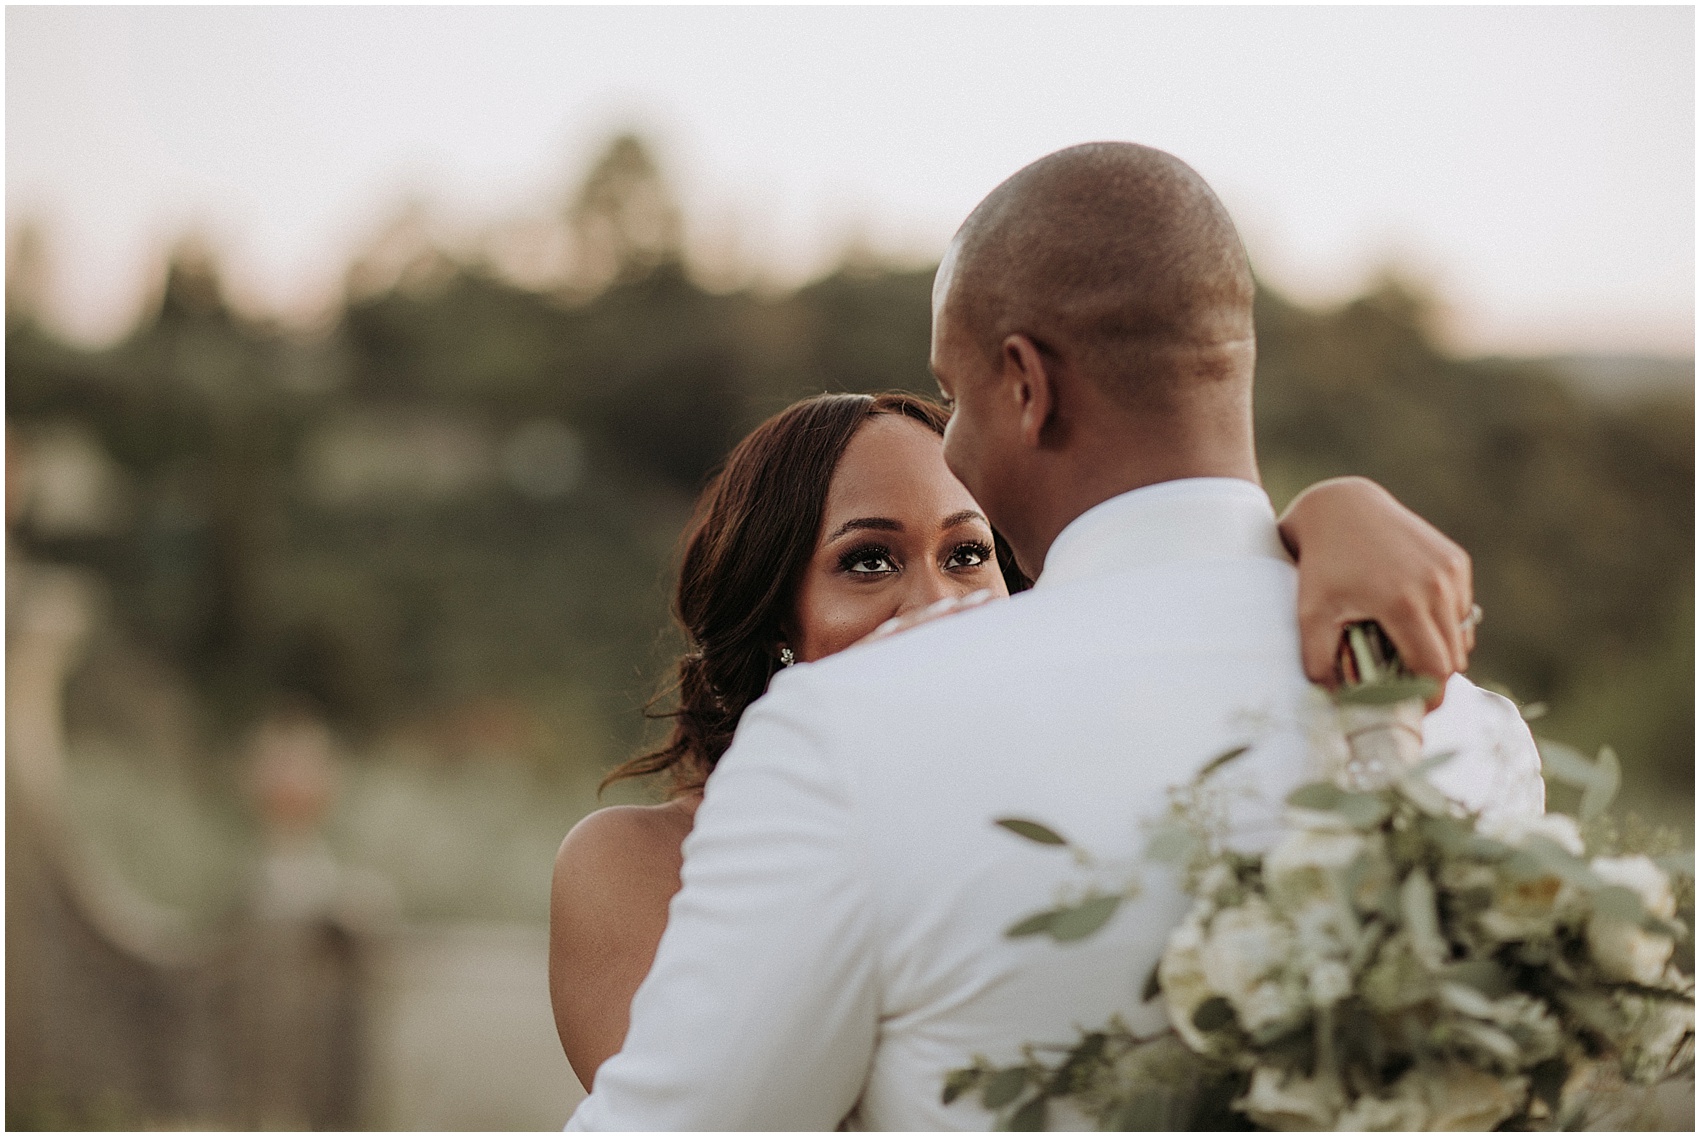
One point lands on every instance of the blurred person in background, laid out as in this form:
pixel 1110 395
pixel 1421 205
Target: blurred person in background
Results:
pixel 836 522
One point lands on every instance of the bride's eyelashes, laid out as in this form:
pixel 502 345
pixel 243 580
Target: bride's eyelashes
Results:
pixel 868 560
pixel 878 560
pixel 969 555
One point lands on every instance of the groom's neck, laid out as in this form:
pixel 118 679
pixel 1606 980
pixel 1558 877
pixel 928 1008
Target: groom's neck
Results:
pixel 1100 464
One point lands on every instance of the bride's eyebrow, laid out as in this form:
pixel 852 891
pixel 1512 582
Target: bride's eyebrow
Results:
pixel 961 517
pixel 884 524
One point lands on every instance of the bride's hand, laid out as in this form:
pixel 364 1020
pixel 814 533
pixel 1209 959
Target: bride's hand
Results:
pixel 1364 556
pixel 950 605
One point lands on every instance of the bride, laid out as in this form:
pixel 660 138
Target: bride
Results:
pixel 837 521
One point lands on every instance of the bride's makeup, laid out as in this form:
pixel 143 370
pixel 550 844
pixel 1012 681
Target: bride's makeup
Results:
pixel 899 534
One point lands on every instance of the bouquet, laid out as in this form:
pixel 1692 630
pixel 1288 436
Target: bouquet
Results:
pixel 1392 963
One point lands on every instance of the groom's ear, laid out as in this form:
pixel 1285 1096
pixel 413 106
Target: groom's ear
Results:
pixel 1031 387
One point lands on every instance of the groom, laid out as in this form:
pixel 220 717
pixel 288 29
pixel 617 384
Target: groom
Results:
pixel 838 943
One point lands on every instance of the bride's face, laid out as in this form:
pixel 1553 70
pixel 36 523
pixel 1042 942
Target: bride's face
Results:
pixel 899 532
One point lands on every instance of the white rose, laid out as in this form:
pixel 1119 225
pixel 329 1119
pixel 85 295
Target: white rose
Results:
pixel 1241 947
pixel 1407 1114
pixel 1642 877
pixel 1627 951
pixel 1181 974
pixel 1266 1005
pixel 1459 1098
pixel 1293 1104
pixel 1311 864
pixel 1330 981
pixel 1514 829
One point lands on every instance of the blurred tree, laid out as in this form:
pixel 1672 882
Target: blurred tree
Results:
pixel 624 218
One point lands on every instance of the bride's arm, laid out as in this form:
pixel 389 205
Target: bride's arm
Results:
pixel 1364 556
pixel 614 876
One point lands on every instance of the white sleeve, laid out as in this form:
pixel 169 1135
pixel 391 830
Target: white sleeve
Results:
pixel 1496 767
pixel 761 1009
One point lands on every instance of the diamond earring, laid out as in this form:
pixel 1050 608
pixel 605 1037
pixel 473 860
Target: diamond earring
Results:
pixel 787 657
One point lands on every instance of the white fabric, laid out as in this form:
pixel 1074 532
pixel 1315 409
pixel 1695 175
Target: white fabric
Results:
pixel 838 943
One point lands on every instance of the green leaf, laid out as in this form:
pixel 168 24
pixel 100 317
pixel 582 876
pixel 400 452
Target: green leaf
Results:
pixel 1033 925
pixel 1213 1014
pixel 1219 761
pixel 1448 833
pixel 1172 844
pixel 1030 1118
pixel 1363 811
pixel 1031 830
pixel 1386 692
pixel 1565 764
pixel 959 1082
pixel 1083 919
pixel 1152 987
pixel 1420 793
pixel 1532 711
pixel 1432 762
pixel 1324 796
pixel 1147 1112
pixel 1618 903
pixel 1003 1087
pixel 1422 923
pixel 1597 798
pixel 1483 975
pixel 1677 864
pixel 1547 1079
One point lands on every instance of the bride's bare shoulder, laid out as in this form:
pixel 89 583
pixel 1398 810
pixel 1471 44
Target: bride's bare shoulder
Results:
pixel 624 848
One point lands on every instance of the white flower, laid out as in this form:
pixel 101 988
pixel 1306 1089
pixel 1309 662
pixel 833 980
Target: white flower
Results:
pixel 1642 877
pixel 1311 864
pixel 1294 1104
pixel 1404 1114
pixel 1268 1004
pixel 1625 950
pixel 1181 974
pixel 1458 1098
pixel 1330 981
pixel 1325 931
pixel 1241 947
pixel 1514 829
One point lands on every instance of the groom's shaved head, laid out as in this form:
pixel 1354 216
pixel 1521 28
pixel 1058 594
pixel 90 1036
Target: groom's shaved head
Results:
pixel 1116 255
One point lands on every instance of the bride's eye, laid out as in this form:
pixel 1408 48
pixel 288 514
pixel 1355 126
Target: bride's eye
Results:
pixel 972 554
pixel 869 560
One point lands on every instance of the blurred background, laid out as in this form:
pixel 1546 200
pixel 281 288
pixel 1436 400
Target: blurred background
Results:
pixel 363 364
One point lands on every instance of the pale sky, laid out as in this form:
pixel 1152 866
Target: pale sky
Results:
pixel 1534 166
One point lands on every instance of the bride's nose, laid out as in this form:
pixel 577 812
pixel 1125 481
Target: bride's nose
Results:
pixel 927 589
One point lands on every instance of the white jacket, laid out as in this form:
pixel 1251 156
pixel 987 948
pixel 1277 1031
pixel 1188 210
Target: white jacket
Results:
pixel 838 943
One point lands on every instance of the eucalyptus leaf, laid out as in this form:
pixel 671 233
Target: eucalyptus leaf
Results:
pixel 1597 797
pixel 1324 796
pixel 1616 902
pixel 1483 975
pixel 1566 764
pixel 1147 1112
pixel 1425 797
pixel 1677 864
pixel 1213 1014
pixel 1219 761
pixel 1003 1087
pixel 1363 811
pixel 959 1082
pixel 1532 711
pixel 1422 923
pixel 1030 1118
pixel 1032 830
pixel 1449 833
pixel 1432 762
pixel 1033 925
pixel 1083 919
pixel 1386 692
pixel 1172 844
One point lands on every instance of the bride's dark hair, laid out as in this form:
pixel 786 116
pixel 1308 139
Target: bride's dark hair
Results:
pixel 752 534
